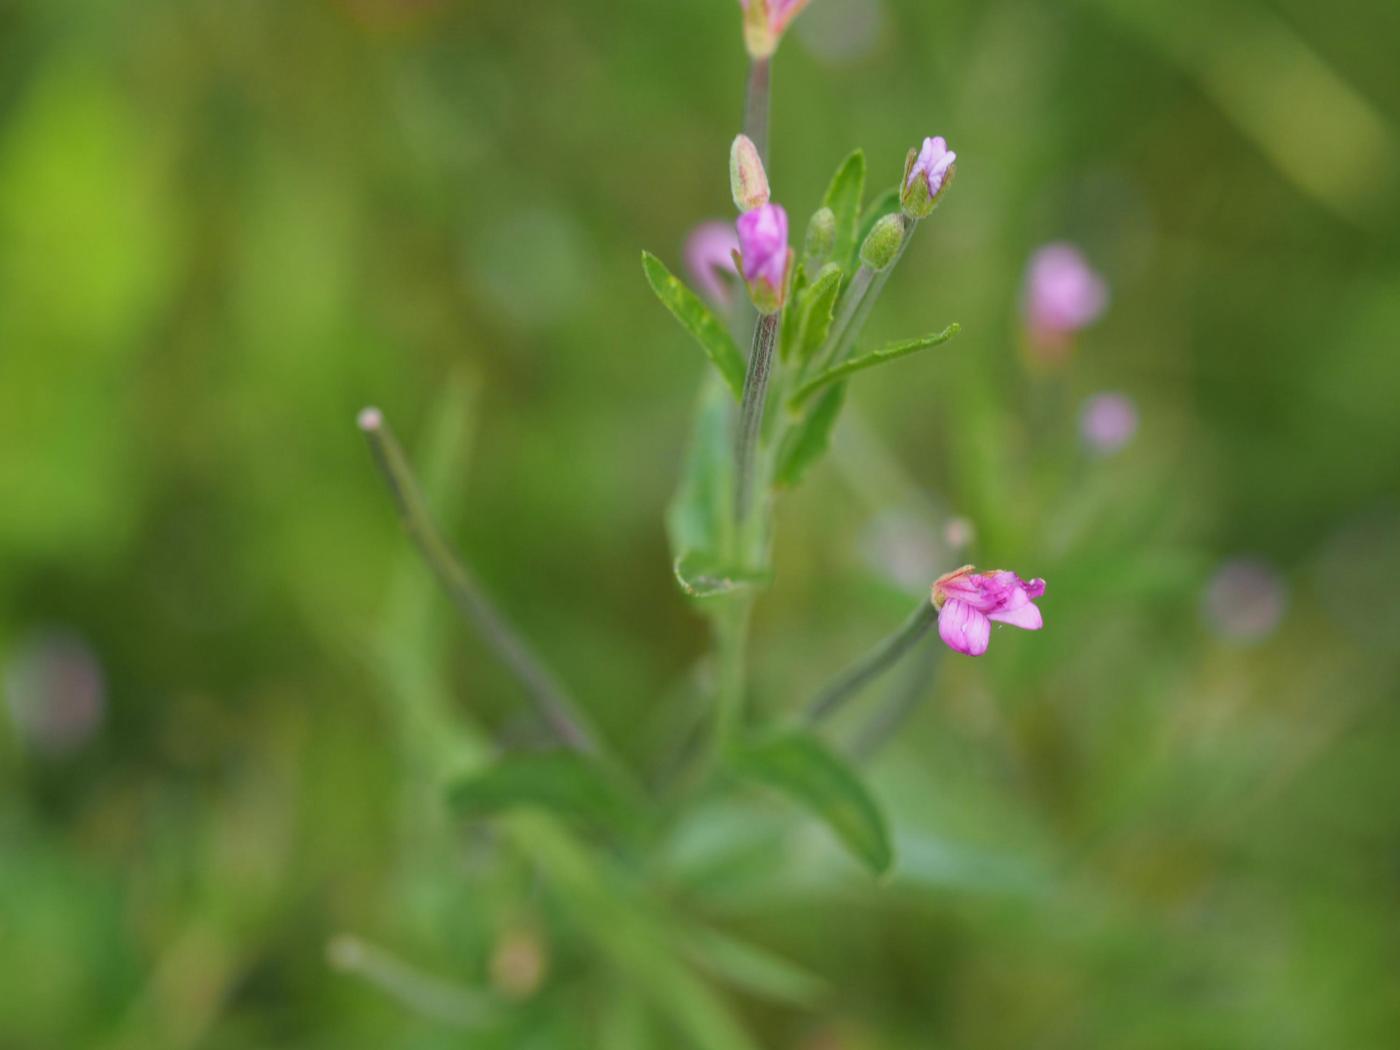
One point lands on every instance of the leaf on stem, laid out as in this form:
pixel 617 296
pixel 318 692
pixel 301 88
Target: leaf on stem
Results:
pixel 799 766
pixel 843 197
pixel 754 969
pixel 876 357
pixel 701 575
pixel 817 308
pixel 564 783
pixel 805 443
pixel 697 319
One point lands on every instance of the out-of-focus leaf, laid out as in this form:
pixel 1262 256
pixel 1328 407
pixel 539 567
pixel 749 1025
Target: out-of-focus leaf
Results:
pixel 805 443
pixel 564 783
pixel 876 357
pixel 843 197
pixel 695 317
pixel 802 768
pixel 702 576
pixel 792 316
pixel 751 968
pixel 702 507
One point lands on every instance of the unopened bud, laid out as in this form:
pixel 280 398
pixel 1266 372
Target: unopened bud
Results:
pixel 926 175
pixel 882 243
pixel 764 258
pixel 747 179
pixel 821 237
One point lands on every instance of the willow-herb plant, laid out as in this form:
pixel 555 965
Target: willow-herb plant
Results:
pixel 762 420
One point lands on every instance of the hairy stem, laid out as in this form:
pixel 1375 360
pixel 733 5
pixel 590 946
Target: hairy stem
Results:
pixel 873 664
pixel 756 104
pixel 858 302
pixel 765 335
pixel 554 704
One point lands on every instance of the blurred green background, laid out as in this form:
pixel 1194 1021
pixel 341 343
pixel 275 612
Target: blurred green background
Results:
pixel 1171 819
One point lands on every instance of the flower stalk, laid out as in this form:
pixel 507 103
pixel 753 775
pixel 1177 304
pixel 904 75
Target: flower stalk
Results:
pixel 873 664
pixel 555 705
pixel 765 338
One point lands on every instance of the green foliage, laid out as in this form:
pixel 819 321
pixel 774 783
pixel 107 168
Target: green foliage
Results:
pixel 564 783
pixel 803 769
pixel 695 317
pixel 843 197
pixel 807 442
pixel 893 352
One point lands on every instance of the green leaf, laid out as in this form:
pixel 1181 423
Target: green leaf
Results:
pixel 792 316
pixel 818 307
pixel 805 443
pixel 800 767
pixel 876 357
pixel 843 197
pixel 700 511
pixel 751 968
pixel 701 575
pixel 564 783
pixel 695 317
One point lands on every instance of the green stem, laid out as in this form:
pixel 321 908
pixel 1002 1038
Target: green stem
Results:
pixel 897 707
pixel 731 628
pixel 555 705
pixel 756 104
pixel 765 334
pixel 873 664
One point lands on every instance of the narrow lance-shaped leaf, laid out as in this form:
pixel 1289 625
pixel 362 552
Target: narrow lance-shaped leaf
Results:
pixel 843 197
pixel 695 317
pixel 561 782
pixel 801 767
pixel 817 309
pixel 805 443
pixel 876 357
pixel 750 967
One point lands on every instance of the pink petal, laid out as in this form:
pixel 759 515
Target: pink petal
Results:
pixel 1025 616
pixel 964 628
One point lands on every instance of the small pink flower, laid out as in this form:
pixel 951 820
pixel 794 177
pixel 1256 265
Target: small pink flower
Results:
pixel 933 163
pixel 764 254
pixel 1063 294
pixel 968 602
pixel 1108 422
pixel 709 256
pixel 765 21
pixel 780 12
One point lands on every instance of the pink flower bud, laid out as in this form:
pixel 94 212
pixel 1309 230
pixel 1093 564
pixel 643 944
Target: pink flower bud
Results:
pixel 968 602
pixel 928 174
pixel 765 21
pixel 1063 294
pixel 747 179
pixel 764 255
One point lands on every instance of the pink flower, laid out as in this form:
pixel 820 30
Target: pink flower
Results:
pixel 1108 422
pixel 933 162
pixel 709 256
pixel 780 12
pixel 764 254
pixel 969 601
pixel 765 21
pixel 1063 294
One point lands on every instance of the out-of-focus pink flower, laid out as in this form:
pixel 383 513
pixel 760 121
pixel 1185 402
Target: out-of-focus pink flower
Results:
pixel 765 21
pixel 1245 600
pixel 1063 294
pixel 968 602
pixel 932 164
pixel 56 692
pixel 1108 422
pixel 709 256
pixel 764 254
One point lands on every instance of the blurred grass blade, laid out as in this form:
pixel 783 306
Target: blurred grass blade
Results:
pixel 561 782
pixel 843 197
pixel 751 968
pixel 876 357
pixel 807 442
pixel 695 317
pixel 799 766
pixel 628 933
pixel 425 995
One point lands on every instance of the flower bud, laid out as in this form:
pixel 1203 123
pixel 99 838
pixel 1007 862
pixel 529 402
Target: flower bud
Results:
pixel 747 179
pixel 765 21
pixel 926 175
pixel 764 257
pixel 821 238
pixel 882 244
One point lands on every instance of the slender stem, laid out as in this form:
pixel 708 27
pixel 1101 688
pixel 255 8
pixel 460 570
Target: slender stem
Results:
pixel 756 104
pixel 765 335
pixel 731 649
pixel 554 704
pixel 898 706
pixel 873 664
pixel 858 302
